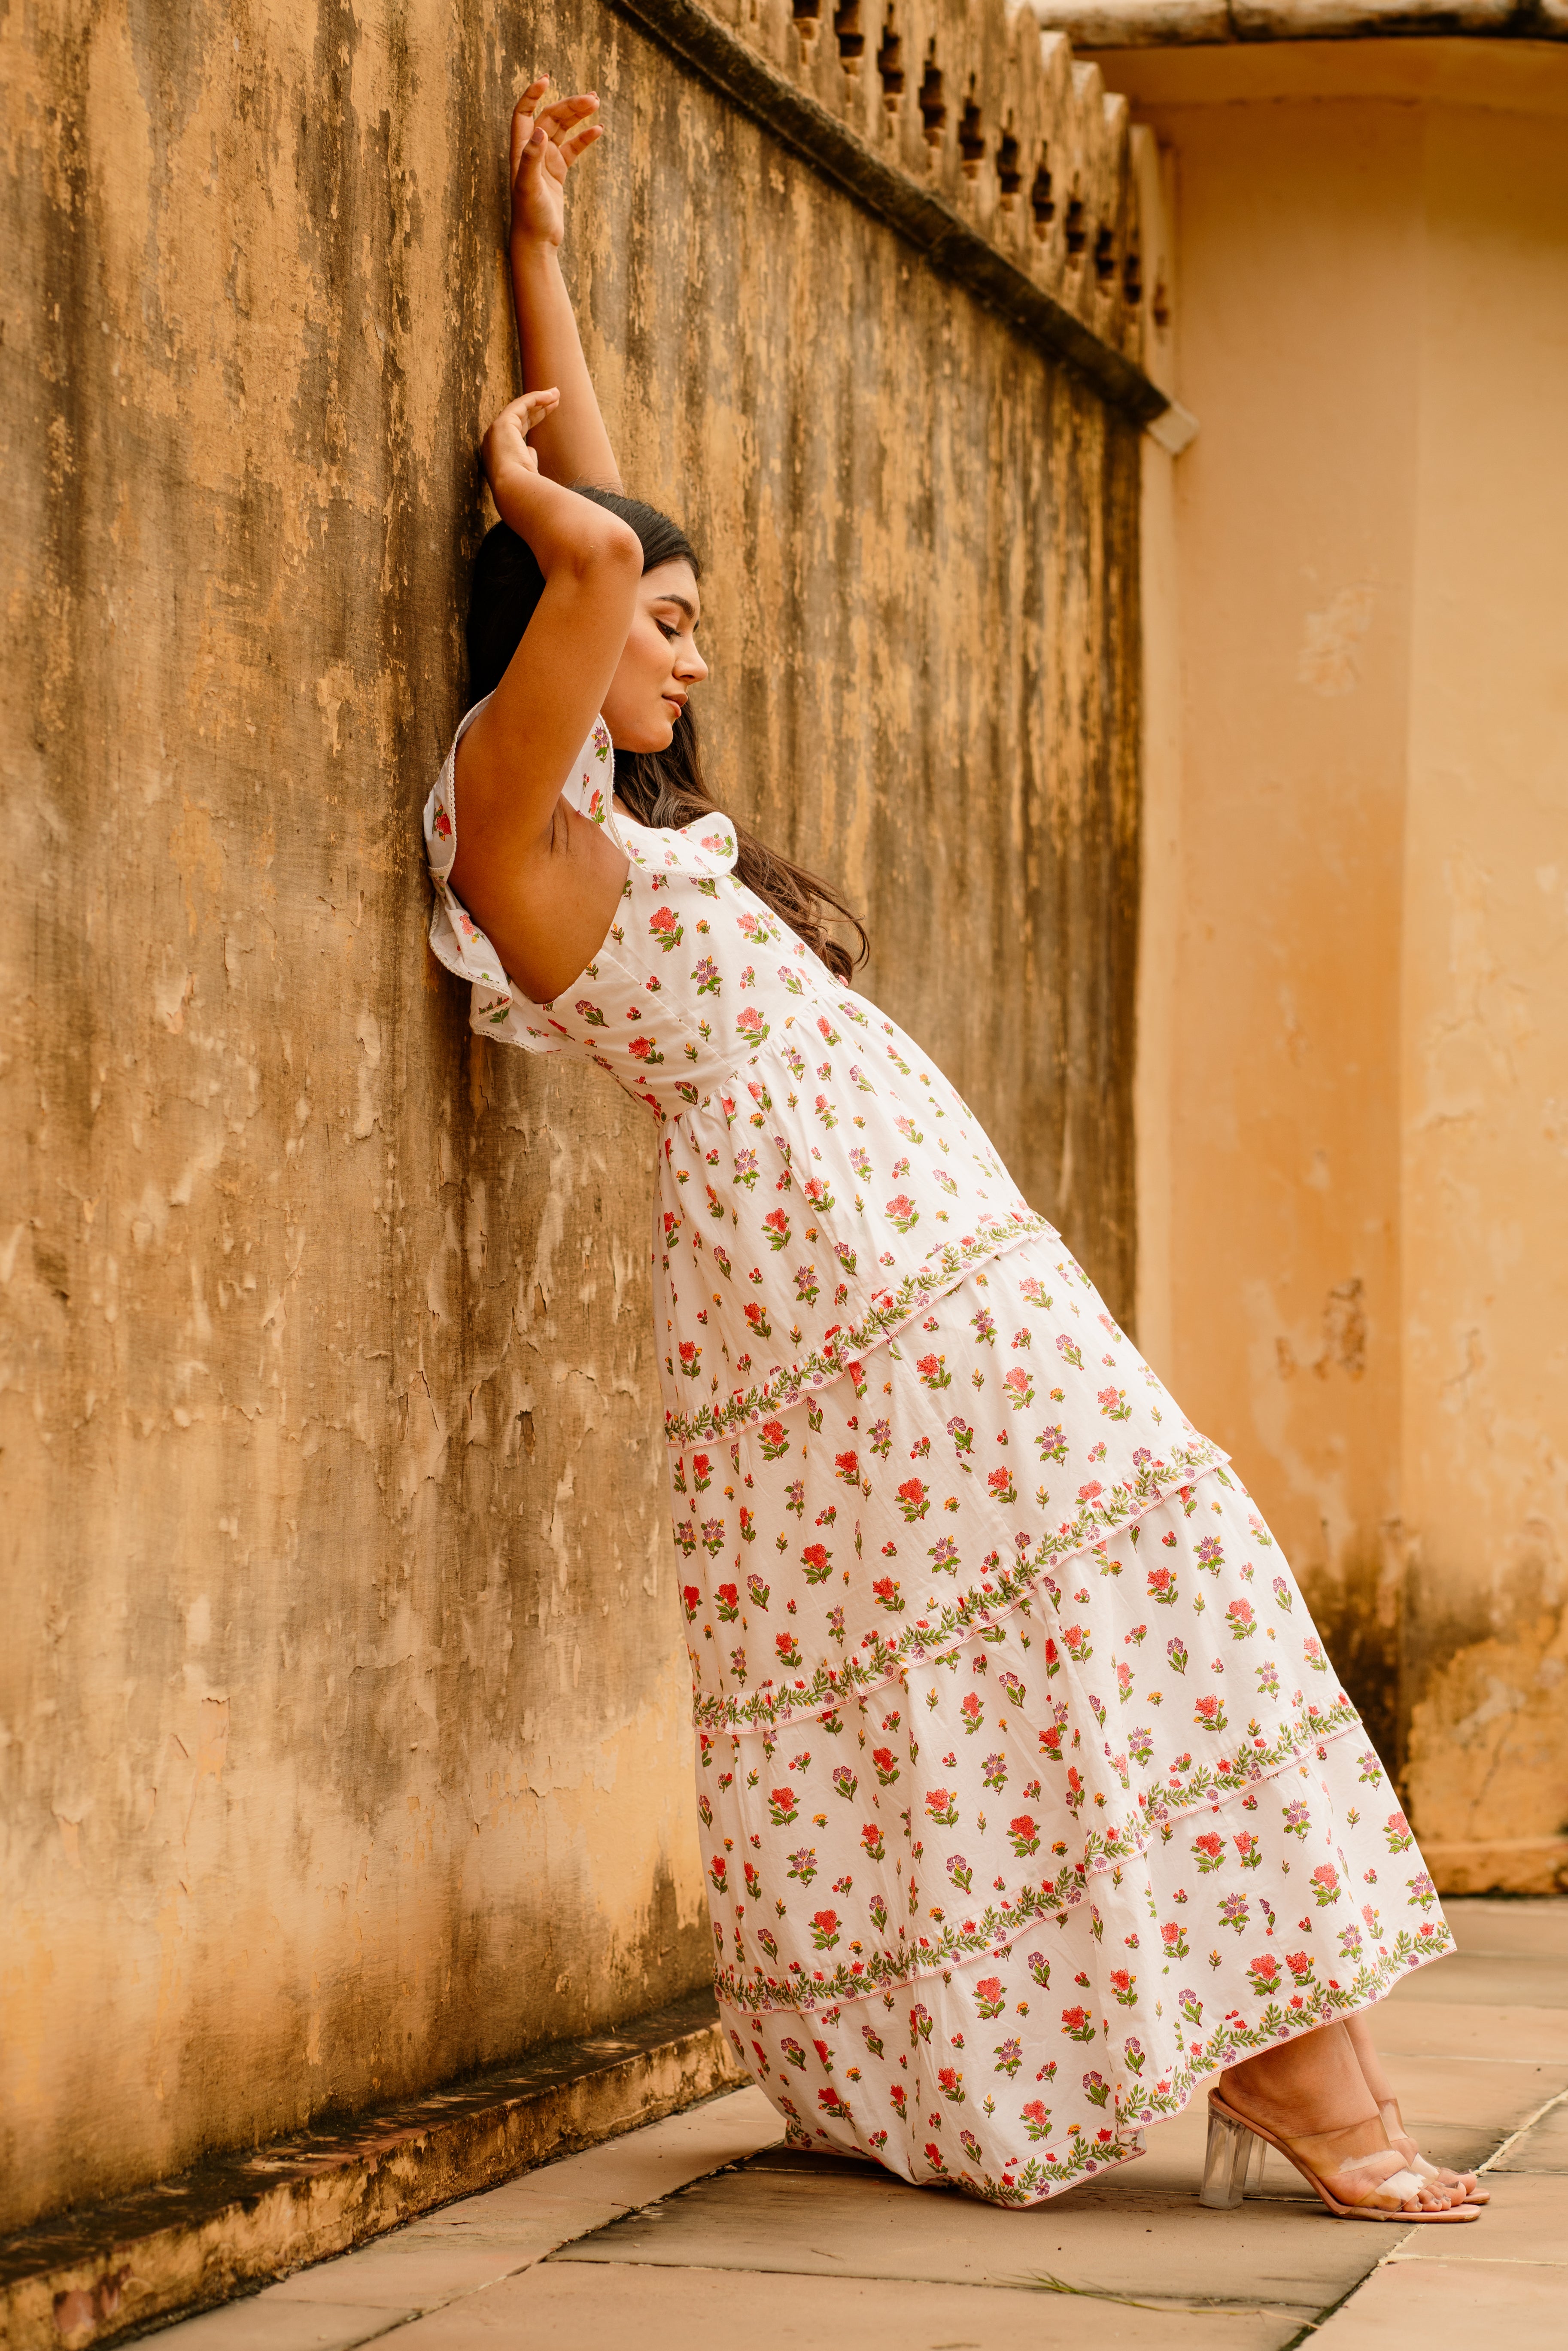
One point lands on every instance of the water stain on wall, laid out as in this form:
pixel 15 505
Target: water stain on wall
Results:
pixel 344 1726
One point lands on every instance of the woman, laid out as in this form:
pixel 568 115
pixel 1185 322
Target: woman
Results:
pixel 1028 1800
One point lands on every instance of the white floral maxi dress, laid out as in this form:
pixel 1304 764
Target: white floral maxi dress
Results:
pixel 1027 1794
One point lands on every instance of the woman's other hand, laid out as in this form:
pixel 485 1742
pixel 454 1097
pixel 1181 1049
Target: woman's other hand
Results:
pixel 507 457
pixel 547 141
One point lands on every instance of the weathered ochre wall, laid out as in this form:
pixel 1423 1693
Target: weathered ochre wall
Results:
pixel 342 1710
pixel 1352 1174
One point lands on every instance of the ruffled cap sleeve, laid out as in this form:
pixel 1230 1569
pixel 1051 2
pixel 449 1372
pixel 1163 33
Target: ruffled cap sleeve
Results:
pixel 498 1009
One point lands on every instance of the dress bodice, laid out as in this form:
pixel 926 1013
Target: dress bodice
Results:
pixel 819 1178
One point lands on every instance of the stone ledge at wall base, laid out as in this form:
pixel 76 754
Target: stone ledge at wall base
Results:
pixel 107 2270
pixel 1508 1866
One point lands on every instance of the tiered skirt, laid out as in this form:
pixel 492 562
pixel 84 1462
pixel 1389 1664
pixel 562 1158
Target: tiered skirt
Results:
pixel 1027 1795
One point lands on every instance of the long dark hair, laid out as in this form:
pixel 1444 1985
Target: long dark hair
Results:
pixel 662 787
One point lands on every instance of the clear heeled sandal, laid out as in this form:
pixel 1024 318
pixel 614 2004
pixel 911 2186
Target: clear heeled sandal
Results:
pixel 1236 2150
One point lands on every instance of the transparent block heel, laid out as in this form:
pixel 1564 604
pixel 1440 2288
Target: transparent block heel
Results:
pixel 1232 2163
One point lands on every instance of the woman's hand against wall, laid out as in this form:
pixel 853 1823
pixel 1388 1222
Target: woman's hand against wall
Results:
pixel 510 467
pixel 547 141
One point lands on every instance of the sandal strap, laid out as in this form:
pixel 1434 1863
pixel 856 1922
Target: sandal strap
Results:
pixel 1400 2184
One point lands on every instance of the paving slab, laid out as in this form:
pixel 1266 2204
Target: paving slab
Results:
pixel 1542 2148
pixel 1529 2037
pixel 261 2323
pixel 565 2306
pixel 1526 2222
pixel 1451 2305
pixel 770 2215
pixel 1527 1929
pixel 1476 1978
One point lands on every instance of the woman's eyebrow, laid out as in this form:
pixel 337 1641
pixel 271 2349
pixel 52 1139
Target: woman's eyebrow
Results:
pixel 681 606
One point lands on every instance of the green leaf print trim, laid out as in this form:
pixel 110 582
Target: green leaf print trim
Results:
pixel 1044 2176
pixel 998 1925
pixel 943 1270
pixel 1099 1513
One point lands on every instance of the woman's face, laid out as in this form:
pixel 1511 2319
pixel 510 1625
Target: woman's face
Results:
pixel 661 662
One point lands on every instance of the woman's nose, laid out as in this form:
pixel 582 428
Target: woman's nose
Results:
pixel 692 667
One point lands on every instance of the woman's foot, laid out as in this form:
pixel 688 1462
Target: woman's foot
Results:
pixel 1460 2186
pixel 1310 2098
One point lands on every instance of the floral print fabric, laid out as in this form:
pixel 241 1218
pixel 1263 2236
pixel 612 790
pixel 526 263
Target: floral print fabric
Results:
pixel 1027 1793
pixel 819 1177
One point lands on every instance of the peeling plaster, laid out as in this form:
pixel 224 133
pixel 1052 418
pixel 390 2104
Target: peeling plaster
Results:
pixel 343 1725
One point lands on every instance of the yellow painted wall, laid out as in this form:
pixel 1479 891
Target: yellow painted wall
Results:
pixel 1354 1148
pixel 344 1715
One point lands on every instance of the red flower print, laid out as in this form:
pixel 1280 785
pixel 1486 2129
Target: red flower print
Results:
pixel 847 1466
pixel 825 1929
pixel 913 1500
pixel 691 1598
pixel 989 1997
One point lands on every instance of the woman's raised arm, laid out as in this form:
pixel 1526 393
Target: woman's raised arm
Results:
pixel 547 141
pixel 541 880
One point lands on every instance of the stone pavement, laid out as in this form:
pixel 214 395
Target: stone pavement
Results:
pixel 703 2226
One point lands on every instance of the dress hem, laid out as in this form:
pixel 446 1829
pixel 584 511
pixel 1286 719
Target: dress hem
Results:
pixel 1058 2169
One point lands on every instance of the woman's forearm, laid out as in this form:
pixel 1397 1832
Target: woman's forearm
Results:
pixel 572 444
